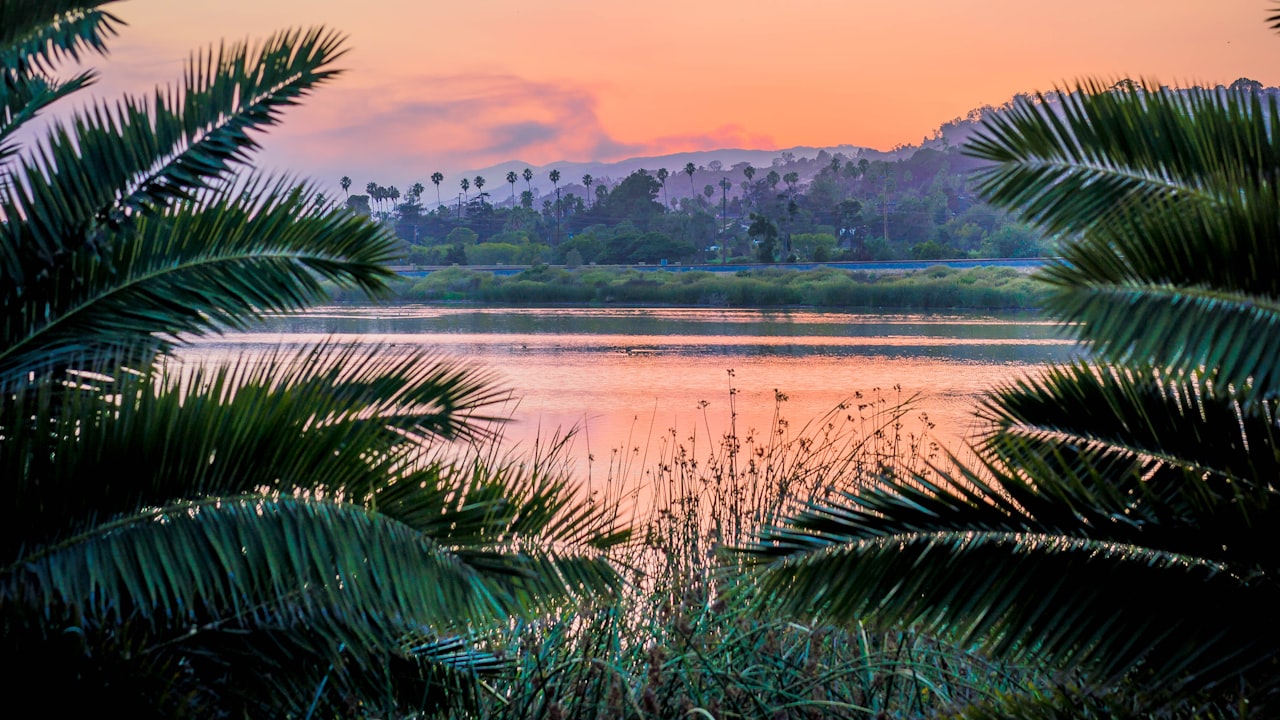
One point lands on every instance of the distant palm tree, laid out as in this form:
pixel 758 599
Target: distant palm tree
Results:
pixel 750 173
pixel 724 216
pixel 772 178
pixel 465 185
pixel 480 187
pixel 690 169
pixel 555 180
pixel 586 181
pixel 663 174
pixel 791 179
pixel 345 182
pixel 511 179
pixel 437 178
pixel 528 179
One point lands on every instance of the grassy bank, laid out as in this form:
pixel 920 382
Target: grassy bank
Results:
pixel 986 288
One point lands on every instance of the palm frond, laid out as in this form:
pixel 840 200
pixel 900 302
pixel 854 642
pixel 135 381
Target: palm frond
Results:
pixel 1070 601
pixel 1071 160
pixel 38 34
pixel 1168 190
pixel 215 263
pixel 206 562
pixel 21 99
pixel 113 162
pixel 345 422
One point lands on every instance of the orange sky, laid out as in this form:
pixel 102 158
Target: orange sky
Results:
pixel 454 86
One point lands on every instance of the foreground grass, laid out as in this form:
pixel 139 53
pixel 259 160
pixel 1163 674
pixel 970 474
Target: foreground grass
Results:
pixel 688 639
pixel 940 287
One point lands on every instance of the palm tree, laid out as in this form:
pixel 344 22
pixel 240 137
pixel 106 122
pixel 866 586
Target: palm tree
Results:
pixel 690 169
pixel 1120 520
pixel 511 180
pixel 436 179
pixel 555 180
pixel 586 182
pixel 724 216
pixel 465 185
pixel 662 176
pixel 772 179
pixel 345 182
pixel 791 179
pixel 276 536
pixel 479 185
pixel 528 179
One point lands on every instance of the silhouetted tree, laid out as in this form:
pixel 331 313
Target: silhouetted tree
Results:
pixel 662 180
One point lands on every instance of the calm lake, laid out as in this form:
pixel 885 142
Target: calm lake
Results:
pixel 626 377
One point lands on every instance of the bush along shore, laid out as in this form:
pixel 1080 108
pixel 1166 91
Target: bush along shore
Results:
pixel 984 288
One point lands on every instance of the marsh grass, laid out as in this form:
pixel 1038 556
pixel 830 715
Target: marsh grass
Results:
pixel 677 645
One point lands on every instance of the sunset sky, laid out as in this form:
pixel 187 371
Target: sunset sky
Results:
pixel 454 86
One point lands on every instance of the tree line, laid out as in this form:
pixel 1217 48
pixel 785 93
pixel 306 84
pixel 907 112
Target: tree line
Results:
pixel 912 204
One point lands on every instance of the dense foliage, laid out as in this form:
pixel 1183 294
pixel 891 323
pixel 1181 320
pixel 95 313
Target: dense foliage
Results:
pixel 910 204
pixel 991 288
pixel 1119 521
pixel 284 536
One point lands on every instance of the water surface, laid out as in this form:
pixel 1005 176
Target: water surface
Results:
pixel 625 377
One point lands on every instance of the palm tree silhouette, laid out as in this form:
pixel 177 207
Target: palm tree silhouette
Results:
pixel 345 182
pixel 555 180
pixel 480 188
pixel 511 179
pixel 689 170
pixel 528 178
pixel 587 180
pixel 662 179
pixel 437 178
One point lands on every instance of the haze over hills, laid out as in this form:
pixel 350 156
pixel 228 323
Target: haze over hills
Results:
pixel 952 133
pixel 611 172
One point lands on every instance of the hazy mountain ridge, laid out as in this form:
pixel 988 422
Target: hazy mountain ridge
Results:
pixel 807 161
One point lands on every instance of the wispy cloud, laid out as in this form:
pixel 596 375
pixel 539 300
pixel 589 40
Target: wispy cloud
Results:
pixel 412 127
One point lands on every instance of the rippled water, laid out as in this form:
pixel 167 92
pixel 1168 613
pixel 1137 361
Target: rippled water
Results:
pixel 626 376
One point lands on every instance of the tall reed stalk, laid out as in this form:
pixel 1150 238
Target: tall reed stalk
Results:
pixel 675 645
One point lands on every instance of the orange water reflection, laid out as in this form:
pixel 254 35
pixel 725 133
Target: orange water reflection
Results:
pixel 626 377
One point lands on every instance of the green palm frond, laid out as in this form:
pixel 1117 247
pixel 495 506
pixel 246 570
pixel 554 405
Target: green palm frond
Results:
pixel 331 582
pixel 30 47
pixel 38 34
pixel 1072 601
pixel 112 162
pixel 326 419
pixel 21 99
pixel 201 267
pixel 1169 191
pixel 1117 522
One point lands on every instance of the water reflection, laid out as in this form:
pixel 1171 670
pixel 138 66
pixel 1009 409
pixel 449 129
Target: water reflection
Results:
pixel 629 375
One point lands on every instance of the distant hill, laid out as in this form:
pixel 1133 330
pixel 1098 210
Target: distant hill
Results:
pixel 806 161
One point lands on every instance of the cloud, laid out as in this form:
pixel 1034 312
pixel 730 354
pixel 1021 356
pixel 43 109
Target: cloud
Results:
pixel 405 129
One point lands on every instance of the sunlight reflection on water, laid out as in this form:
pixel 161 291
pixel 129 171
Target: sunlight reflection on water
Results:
pixel 627 376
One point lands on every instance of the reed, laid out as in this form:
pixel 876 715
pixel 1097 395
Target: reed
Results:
pixel 677 645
